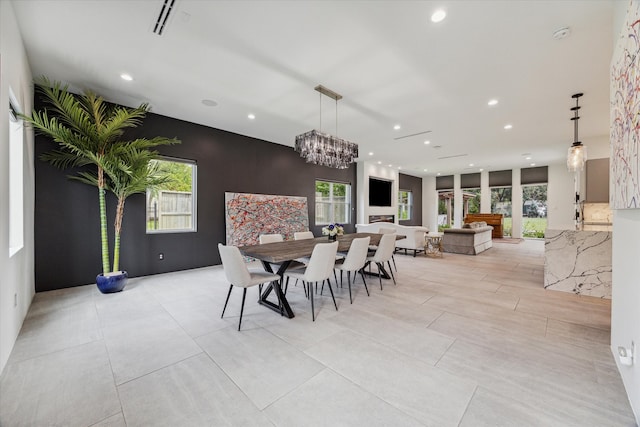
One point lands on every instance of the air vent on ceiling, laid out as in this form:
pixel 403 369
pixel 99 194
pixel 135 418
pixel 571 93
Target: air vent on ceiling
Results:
pixel 163 17
pixel 413 134
pixel 451 157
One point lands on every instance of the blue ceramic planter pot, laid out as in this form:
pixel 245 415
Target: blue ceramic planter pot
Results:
pixel 111 283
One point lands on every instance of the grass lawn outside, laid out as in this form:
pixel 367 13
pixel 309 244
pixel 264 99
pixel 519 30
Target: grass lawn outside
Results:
pixel 531 227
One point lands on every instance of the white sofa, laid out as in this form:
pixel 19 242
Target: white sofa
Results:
pixel 414 240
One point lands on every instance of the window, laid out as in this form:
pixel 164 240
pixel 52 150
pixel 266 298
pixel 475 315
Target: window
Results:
pixel 534 210
pixel 471 197
pixel 16 173
pixel 501 203
pixel 445 209
pixel 171 207
pixel 405 205
pixel 333 203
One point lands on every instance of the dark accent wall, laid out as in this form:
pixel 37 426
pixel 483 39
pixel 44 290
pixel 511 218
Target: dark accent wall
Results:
pixel 67 231
pixel 413 184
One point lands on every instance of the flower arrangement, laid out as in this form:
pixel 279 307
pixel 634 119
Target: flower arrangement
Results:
pixel 333 230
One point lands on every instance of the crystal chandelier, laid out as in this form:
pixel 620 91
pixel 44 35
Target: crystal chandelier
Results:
pixel 577 155
pixel 322 148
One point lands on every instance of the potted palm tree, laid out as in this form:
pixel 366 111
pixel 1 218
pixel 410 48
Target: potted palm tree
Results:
pixel 89 134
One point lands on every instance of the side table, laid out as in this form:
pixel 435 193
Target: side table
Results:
pixel 433 244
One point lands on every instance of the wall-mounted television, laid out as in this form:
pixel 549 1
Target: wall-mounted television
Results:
pixel 379 192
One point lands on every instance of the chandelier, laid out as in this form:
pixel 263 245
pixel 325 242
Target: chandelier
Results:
pixel 322 148
pixel 577 155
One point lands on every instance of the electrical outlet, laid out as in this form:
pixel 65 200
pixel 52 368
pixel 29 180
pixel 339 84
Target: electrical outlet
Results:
pixel 160 256
pixel 15 300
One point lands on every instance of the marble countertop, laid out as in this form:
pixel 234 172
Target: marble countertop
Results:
pixel 578 261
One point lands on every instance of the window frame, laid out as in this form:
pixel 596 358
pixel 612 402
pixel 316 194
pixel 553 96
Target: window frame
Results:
pixel 408 205
pixel 331 203
pixel 194 199
pixel 16 176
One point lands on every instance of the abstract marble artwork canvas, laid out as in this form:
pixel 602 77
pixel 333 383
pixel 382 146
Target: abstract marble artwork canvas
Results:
pixel 625 114
pixel 249 215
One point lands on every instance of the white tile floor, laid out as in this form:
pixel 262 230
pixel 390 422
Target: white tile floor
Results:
pixel 461 340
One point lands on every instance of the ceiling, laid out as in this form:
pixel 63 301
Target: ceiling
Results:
pixel 391 64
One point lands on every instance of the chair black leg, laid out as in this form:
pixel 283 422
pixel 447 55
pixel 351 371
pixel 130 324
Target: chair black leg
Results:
pixel 391 271
pixel 394 262
pixel 364 281
pixel 341 271
pixel 227 300
pixel 379 274
pixel 335 276
pixel 349 282
pixel 322 288
pixel 333 297
pixel 313 313
pixel 244 294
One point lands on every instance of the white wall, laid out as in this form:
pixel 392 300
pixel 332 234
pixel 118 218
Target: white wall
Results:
pixel 429 203
pixel 365 170
pixel 560 196
pixel 516 203
pixel 625 299
pixel 17 271
pixel 485 193
pixel 458 201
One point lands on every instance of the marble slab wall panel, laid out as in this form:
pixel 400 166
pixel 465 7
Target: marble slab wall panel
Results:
pixel 578 262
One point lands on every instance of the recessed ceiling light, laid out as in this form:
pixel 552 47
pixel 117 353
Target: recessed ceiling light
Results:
pixel 251 116
pixel 371 153
pixel 379 162
pixel 471 164
pixel 528 158
pixel 399 168
pixel 492 102
pixel 425 170
pixel 390 165
pixel 209 102
pixel 427 142
pixel 125 76
pixel 438 174
pixel 533 164
pixel 507 127
pixel 438 15
pixel 396 127
pixel 481 169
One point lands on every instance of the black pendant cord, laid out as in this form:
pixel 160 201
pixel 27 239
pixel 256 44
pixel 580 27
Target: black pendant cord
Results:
pixel 575 119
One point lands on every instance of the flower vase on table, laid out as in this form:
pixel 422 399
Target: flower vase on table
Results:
pixel 333 231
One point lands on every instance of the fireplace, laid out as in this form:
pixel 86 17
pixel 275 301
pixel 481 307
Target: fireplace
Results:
pixel 381 218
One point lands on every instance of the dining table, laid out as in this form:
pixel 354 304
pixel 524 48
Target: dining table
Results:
pixel 284 253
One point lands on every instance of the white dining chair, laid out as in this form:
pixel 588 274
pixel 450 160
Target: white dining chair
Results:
pixel 354 262
pixel 318 269
pixel 383 230
pixel 239 275
pixel 383 254
pixel 302 235
pixel 270 238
